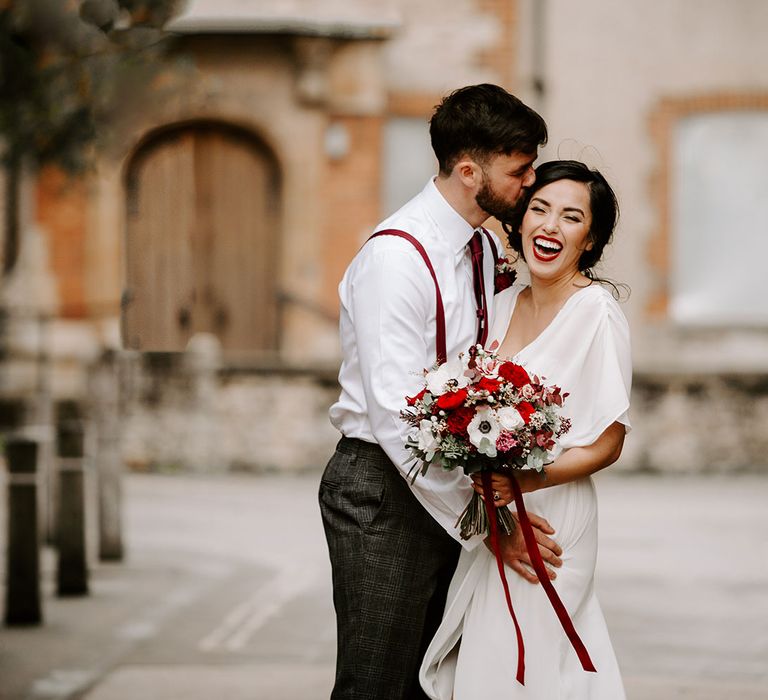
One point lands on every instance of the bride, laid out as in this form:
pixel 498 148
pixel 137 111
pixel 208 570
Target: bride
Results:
pixel 568 329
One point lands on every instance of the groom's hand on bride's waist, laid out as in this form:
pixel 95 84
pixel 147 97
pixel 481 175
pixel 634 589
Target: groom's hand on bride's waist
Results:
pixel 515 554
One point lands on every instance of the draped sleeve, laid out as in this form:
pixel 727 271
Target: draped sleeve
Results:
pixel 586 352
pixel 588 355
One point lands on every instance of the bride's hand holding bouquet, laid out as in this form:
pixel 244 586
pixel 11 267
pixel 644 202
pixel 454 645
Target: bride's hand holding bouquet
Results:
pixel 486 416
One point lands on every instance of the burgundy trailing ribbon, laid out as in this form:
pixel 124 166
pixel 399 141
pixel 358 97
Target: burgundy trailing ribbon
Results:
pixel 490 509
pixel 541 572
pixel 442 355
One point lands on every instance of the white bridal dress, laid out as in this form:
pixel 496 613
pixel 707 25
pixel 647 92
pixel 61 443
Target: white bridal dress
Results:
pixel 473 656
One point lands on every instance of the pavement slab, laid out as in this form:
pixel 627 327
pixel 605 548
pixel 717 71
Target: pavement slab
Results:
pixel 225 593
pixel 274 681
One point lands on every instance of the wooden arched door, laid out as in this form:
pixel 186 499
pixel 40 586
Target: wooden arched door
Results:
pixel 202 240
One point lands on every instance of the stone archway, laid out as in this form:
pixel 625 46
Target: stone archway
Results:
pixel 203 203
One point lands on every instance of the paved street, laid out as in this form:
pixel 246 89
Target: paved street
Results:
pixel 225 595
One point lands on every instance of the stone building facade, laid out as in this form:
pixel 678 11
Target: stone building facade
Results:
pixel 232 206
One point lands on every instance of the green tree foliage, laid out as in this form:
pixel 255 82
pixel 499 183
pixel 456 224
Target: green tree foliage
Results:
pixel 71 71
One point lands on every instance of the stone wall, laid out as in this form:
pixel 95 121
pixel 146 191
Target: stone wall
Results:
pixel 185 411
pixel 698 423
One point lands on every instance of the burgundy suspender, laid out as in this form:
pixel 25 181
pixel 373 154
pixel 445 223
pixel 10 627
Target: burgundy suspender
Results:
pixel 442 354
pixel 493 246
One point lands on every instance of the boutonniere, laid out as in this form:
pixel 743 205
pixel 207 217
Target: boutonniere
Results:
pixel 504 275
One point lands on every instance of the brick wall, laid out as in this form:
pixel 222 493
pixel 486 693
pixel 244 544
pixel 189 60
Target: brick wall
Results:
pixel 351 198
pixel 61 211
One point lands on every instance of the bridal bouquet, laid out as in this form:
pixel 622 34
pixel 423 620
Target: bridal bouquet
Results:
pixel 481 413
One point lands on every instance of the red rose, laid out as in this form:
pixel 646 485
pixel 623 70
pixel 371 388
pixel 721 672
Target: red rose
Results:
pixel 459 419
pixel 452 399
pixel 411 400
pixel 514 374
pixel 487 384
pixel 526 410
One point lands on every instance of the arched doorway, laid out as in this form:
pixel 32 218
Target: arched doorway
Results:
pixel 203 203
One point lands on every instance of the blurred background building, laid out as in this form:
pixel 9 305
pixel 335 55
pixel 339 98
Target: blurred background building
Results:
pixel 198 260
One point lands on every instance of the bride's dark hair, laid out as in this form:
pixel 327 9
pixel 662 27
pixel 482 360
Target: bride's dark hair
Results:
pixel 602 203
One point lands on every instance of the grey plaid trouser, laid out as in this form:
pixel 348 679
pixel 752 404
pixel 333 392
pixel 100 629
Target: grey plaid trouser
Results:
pixel 391 563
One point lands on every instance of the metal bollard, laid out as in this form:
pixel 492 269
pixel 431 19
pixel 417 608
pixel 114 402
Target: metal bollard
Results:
pixel 72 569
pixel 109 464
pixel 22 592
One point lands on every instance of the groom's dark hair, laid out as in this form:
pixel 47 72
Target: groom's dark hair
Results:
pixel 480 121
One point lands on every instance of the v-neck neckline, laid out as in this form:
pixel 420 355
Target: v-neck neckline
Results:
pixel 543 330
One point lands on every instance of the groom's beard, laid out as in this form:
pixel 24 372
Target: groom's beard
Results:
pixel 495 205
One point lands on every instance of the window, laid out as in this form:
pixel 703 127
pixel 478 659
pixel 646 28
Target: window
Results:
pixel 720 219
pixel 408 160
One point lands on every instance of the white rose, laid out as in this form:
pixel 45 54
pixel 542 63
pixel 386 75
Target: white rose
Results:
pixel 483 431
pixel 510 418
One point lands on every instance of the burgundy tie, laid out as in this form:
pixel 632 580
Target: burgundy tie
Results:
pixel 476 249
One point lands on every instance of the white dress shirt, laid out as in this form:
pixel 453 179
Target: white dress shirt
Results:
pixel 388 334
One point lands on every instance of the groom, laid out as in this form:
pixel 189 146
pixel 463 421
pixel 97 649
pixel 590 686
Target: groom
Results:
pixel 394 545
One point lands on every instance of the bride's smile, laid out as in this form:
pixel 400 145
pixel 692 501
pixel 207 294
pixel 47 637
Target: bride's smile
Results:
pixel 546 249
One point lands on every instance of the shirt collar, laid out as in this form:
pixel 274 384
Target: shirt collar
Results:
pixel 454 227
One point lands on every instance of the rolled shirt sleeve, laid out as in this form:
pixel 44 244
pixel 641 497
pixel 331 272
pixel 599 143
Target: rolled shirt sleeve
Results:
pixel 391 302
